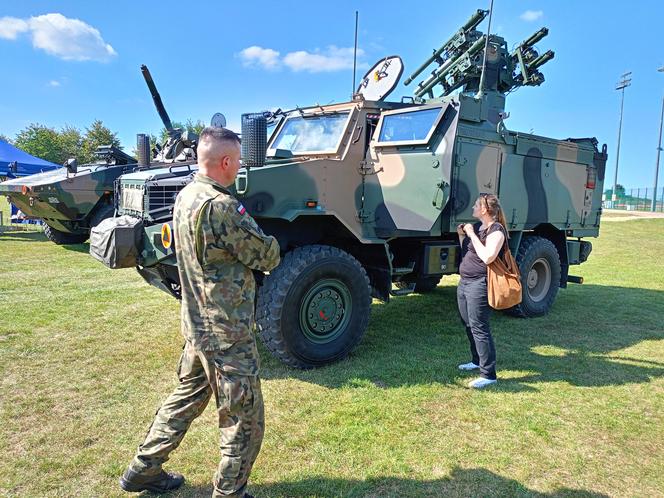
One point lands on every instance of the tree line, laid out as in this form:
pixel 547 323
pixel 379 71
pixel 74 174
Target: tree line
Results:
pixel 68 142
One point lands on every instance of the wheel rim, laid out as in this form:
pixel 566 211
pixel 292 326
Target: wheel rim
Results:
pixel 539 279
pixel 325 311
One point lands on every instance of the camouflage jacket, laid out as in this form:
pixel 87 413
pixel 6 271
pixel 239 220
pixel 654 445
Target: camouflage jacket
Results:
pixel 218 244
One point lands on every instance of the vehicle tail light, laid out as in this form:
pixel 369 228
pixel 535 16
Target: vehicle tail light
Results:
pixel 591 178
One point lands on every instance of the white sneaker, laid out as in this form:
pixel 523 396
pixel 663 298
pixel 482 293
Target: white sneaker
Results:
pixel 468 366
pixel 481 383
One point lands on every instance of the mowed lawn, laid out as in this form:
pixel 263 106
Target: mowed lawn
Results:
pixel 87 355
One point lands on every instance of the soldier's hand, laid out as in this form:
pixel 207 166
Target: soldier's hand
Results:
pixel 468 228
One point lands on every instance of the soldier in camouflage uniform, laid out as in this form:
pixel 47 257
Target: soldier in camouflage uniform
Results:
pixel 218 245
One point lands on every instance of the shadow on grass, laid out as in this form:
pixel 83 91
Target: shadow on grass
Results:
pixel 460 482
pixel 418 339
pixel 38 236
pixel 20 235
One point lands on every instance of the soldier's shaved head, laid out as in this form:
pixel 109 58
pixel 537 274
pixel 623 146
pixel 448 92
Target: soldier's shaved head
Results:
pixel 219 154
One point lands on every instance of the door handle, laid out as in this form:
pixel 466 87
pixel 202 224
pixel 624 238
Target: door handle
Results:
pixel 439 195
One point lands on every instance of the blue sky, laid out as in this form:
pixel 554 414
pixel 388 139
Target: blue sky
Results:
pixel 70 62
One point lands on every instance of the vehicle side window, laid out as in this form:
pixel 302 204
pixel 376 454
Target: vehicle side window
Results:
pixel 408 126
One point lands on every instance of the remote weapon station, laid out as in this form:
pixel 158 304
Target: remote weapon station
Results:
pixel 364 197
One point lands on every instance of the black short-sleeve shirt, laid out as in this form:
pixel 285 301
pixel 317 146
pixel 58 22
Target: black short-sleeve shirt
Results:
pixel 471 264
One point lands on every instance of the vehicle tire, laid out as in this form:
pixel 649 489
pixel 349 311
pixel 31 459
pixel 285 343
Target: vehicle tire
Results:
pixel 313 309
pixel 539 264
pixel 102 212
pixel 422 285
pixel 64 238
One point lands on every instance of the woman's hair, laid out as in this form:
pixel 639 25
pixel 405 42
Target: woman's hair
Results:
pixel 492 205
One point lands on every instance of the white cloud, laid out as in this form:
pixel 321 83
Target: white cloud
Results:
pixel 258 56
pixel 10 27
pixel 55 34
pixel 332 59
pixel 531 15
pixel 54 83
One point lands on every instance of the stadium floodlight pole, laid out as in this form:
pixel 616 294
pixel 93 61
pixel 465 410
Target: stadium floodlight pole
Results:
pixel 621 85
pixel 653 206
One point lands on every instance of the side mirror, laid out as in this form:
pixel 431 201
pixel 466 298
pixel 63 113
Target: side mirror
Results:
pixel 72 165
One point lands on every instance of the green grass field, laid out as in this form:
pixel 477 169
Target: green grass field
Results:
pixel 87 354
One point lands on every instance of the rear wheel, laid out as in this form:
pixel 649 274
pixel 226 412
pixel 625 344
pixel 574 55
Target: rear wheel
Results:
pixel 313 309
pixel 539 264
pixel 63 238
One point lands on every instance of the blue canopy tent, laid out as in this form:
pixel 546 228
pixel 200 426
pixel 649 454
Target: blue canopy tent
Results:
pixel 15 162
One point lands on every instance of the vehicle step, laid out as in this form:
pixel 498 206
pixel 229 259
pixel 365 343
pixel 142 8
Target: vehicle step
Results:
pixel 405 270
pixel 403 292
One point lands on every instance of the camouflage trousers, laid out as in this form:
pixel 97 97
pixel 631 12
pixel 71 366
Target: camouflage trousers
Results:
pixel 232 376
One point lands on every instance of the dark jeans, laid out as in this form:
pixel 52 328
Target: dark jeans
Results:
pixel 475 311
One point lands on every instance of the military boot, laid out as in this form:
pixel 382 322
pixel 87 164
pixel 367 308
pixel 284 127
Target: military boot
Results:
pixel 159 483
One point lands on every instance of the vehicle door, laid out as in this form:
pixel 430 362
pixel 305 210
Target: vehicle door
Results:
pixel 407 180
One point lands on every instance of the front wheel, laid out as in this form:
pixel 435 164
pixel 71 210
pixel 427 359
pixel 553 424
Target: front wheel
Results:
pixel 63 238
pixel 313 309
pixel 539 264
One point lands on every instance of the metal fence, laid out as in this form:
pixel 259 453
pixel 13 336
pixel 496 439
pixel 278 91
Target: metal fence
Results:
pixel 636 199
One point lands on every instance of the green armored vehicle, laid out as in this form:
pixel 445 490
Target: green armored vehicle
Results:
pixel 72 199
pixel 364 197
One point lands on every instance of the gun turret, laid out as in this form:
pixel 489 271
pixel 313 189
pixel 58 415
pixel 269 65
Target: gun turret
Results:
pixel 450 47
pixel 180 146
pixel 528 60
pixel 157 101
pixel 461 62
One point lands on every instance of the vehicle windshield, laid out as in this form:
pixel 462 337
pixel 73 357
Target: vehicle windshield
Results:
pixel 311 134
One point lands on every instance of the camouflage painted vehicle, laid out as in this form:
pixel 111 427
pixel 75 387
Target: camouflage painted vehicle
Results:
pixel 364 197
pixel 72 199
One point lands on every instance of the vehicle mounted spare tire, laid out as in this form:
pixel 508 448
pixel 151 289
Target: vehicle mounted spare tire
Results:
pixel 422 285
pixel 64 238
pixel 539 264
pixel 313 309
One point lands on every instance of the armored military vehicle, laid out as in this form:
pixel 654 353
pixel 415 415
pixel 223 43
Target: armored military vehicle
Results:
pixel 364 196
pixel 72 199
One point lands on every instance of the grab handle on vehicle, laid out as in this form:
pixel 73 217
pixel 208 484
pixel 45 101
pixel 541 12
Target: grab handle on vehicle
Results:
pixel 242 182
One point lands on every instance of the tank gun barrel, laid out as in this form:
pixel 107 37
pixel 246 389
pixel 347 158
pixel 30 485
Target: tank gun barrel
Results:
pixel 469 25
pixel 157 99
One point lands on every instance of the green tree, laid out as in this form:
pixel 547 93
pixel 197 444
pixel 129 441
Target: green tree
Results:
pixel 620 190
pixel 71 142
pixel 97 135
pixel 189 125
pixel 4 138
pixel 41 141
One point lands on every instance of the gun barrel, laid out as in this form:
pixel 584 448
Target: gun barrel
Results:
pixel 475 19
pixel 438 77
pixel 471 23
pixel 541 60
pixel 535 37
pixel 157 98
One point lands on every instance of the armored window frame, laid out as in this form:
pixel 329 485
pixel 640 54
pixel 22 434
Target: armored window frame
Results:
pixel 423 141
pixel 271 151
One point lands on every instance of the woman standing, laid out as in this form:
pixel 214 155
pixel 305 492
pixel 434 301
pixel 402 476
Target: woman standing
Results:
pixel 481 243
